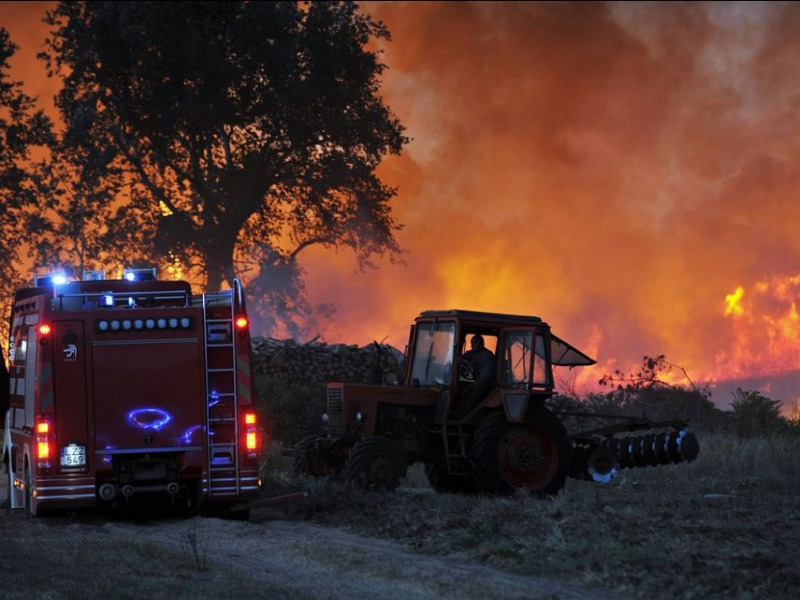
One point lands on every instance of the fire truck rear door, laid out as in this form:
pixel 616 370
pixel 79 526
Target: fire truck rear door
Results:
pixel 71 396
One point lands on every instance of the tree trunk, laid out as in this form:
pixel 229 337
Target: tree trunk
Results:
pixel 219 264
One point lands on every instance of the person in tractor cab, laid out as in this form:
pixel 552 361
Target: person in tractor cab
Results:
pixel 478 368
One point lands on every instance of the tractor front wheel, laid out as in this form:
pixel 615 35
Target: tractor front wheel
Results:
pixel 533 455
pixel 375 463
pixel 314 460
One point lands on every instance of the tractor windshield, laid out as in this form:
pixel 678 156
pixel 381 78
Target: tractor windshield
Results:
pixel 433 353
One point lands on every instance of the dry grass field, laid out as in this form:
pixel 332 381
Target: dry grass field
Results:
pixel 726 526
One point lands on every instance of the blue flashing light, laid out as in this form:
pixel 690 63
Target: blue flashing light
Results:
pixel 45 279
pixel 140 274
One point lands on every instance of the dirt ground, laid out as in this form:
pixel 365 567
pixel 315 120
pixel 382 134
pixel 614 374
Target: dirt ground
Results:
pixel 300 559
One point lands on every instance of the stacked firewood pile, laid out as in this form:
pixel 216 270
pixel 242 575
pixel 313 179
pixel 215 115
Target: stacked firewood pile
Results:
pixel 318 362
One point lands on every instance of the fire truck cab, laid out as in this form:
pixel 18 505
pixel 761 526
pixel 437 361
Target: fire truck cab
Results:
pixel 129 387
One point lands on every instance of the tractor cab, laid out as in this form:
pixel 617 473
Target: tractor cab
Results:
pixel 484 360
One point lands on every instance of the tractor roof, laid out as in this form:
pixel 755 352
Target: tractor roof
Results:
pixel 472 315
pixel 562 353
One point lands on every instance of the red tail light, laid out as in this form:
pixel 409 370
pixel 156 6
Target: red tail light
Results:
pixel 43 432
pixel 43 451
pixel 251 434
pixel 241 322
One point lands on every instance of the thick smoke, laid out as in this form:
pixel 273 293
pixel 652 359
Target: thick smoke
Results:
pixel 618 169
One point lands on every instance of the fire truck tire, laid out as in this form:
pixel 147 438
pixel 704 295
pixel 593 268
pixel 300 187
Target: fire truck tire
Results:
pixel 375 464
pixel 437 476
pixel 533 456
pixel 9 489
pixel 193 498
pixel 28 496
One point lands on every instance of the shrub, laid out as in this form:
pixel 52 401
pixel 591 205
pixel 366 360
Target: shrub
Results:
pixel 754 414
pixel 289 410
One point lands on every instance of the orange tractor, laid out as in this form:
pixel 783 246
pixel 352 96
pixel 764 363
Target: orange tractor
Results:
pixel 478 419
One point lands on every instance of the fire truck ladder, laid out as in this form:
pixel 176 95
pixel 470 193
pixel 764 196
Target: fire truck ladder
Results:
pixel 222 407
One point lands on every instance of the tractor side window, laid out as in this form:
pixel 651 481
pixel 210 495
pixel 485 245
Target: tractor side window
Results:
pixel 541 374
pixel 517 359
pixel 522 352
pixel 433 353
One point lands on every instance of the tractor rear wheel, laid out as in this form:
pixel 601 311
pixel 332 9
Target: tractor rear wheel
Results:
pixel 532 456
pixel 375 463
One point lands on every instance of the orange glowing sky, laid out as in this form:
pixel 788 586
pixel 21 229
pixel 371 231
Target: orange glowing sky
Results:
pixel 627 171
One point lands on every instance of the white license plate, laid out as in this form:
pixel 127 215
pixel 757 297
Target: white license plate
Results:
pixel 73 456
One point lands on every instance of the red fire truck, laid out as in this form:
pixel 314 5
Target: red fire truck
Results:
pixel 129 387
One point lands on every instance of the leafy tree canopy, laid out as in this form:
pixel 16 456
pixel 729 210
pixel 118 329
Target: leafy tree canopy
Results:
pixel 229 136
pixel 24 131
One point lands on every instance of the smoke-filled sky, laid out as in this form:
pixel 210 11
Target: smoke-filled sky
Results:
pixel 627 171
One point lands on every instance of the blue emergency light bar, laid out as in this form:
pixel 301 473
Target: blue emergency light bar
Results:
pixel 98 275
pixel 45 279
pixel 148 274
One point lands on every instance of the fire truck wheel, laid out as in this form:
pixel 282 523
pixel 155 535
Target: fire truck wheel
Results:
pixel 28 496
pixel 9 489
pixel 533 456
pixel 193 498
pixel 375 463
